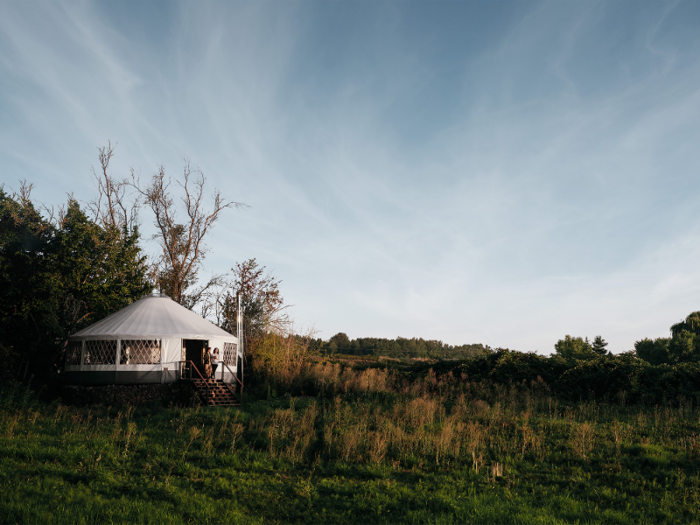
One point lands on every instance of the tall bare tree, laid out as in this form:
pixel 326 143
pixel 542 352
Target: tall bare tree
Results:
pixel 113 208
pixel 182 241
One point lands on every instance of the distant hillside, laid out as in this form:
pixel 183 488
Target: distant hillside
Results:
pixel 399 347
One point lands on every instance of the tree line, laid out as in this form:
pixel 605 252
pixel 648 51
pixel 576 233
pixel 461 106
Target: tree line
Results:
pixel 682 347
pixel 396 348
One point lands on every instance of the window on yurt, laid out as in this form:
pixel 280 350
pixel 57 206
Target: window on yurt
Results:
pixel 140 352
pixel 230 353
pixel 73 352
pixel 100 352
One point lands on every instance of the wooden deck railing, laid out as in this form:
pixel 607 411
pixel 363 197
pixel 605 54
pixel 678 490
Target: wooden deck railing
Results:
pixel 188 370
pixel 240 399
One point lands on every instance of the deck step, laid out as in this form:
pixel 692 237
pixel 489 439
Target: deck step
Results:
pixel 218 394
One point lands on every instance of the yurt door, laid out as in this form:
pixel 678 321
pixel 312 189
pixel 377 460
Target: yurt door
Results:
pixel 193 351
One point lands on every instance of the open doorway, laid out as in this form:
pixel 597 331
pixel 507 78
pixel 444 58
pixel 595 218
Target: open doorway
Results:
pixel 193 352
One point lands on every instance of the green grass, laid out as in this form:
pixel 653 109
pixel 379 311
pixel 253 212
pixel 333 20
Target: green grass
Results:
pixel 377 458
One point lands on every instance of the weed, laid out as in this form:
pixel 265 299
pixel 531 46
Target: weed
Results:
pixel 583 438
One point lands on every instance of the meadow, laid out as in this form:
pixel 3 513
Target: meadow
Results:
pixel 370 446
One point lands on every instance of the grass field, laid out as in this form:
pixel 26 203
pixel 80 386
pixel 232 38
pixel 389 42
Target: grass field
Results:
pixel 480 454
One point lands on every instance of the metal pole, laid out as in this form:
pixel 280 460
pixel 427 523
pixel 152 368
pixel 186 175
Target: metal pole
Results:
pixel 240 339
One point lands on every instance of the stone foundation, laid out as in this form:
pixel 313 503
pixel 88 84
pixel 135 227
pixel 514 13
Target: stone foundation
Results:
pixel 166 394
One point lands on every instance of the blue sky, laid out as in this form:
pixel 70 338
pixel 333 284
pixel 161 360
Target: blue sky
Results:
pixel 499 172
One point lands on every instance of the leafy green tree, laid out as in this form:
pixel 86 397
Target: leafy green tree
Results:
pixel 575 348
pixel 97 270
pixel 690 324
pixel 653 351
pixel 599 345
pixel 263 306
pixel 27 319
pixel 682 347
pixel 56 278
pixel 339 343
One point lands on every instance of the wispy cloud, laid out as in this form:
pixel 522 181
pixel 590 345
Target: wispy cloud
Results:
pixel 503 173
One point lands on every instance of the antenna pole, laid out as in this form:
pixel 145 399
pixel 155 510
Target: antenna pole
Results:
pixel 239 333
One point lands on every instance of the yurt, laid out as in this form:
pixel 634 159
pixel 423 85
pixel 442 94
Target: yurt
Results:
pixel 154 340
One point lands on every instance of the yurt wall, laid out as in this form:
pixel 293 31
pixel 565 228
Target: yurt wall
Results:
pixel 122 361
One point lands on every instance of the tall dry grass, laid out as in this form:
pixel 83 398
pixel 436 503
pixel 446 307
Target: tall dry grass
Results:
pixel 445 420
pixel 405 431
pixel 278 359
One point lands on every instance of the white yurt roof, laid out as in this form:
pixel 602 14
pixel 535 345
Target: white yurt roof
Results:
pixel 150 318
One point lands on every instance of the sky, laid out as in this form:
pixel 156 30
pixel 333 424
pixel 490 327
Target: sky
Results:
pixel 492 172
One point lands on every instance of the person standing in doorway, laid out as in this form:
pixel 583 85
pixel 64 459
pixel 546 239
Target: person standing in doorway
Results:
pixel 206 362
pixel 214 361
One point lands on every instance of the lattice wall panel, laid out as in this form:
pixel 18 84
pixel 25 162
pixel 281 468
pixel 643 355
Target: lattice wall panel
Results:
pixel 140 352
pixel 230 354
pixel 73 352
pixel 100 352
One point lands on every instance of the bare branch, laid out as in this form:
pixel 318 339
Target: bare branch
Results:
pixel 182 244
pixel 25 192
pixel 111 208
